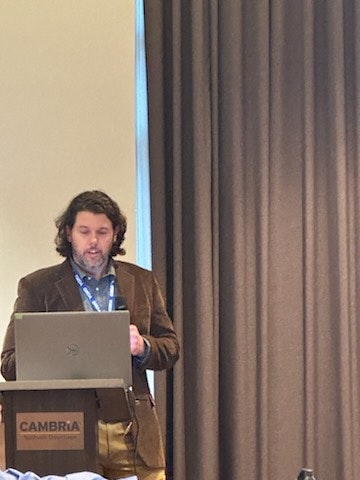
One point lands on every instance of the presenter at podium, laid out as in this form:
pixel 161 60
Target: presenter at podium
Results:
pixel 90 233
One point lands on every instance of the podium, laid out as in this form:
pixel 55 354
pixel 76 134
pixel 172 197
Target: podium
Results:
pixel 51 425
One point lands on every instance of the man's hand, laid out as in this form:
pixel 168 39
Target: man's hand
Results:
pixel 137 346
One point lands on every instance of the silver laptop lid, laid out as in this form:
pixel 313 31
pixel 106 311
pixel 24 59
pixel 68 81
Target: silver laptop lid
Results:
pixel 68 345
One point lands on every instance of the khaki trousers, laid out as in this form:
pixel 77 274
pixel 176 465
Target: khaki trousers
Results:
pixel 117 455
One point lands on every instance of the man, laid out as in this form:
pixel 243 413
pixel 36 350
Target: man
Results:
pixel 90 233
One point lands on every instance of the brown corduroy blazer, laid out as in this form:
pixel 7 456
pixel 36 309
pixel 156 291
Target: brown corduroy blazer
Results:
pixel 55 289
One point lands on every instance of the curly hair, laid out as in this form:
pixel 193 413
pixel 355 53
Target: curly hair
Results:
pixel 93 201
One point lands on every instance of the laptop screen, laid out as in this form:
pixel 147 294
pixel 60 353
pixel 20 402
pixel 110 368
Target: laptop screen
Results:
pixel 73 345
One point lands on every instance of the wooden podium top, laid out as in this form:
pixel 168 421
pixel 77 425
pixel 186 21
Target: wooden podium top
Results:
pixel 91 383
pixel 115 400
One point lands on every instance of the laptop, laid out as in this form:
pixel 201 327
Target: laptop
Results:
pixel 73 345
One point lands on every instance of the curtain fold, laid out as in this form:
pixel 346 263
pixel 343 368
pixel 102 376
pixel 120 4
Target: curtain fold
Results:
pixel 254 158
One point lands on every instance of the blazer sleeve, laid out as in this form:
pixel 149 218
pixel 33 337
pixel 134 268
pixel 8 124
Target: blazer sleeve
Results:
pixel 159 332
pixel 27 301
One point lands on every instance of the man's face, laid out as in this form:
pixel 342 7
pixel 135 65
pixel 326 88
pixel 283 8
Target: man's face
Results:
pixel 91 238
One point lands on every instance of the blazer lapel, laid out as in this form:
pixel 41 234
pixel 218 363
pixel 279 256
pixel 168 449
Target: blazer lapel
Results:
pixel 126 285
pixel 68 289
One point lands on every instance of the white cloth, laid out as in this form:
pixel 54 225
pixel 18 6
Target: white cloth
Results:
pixel 12 474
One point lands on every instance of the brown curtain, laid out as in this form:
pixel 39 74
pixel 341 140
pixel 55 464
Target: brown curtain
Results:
pixel 254 152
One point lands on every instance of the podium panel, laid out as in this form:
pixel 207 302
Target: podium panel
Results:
pixel 51 427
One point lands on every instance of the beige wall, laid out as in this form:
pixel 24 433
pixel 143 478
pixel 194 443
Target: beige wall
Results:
pixel 66 122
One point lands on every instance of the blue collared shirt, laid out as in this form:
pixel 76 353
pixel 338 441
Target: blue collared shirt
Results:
pixel 98 288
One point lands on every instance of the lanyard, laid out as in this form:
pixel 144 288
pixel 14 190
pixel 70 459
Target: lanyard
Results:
pixel 91 297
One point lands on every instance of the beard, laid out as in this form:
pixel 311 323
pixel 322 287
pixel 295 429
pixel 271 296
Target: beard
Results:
pixel 94 264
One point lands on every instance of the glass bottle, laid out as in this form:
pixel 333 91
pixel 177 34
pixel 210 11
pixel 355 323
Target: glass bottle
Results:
pixel 306 474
